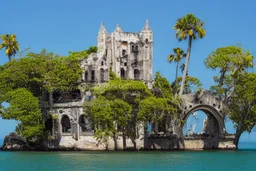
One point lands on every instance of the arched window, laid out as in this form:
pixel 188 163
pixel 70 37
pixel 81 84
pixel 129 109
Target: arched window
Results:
pixel 102 75
pixel 84 124
pixel 86 76
pixel 136 48
pixel 102 63
pixel 65 123
pixel 122 73
pixel 136 74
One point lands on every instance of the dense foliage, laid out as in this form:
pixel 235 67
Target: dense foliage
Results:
pixel 122 105
pixel 235 85
pixel 32 78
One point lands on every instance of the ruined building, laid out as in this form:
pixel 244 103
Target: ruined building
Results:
pixel 130 56
pixel 127 54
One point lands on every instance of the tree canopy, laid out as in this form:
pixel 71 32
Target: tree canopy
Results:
pixel 235 85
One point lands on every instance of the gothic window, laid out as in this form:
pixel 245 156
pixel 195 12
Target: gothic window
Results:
pixel 86 76
pixel 122 73
pixel 65 123
pixel 84 124
pixel 133 48
pixel 136 48
pixel 146 41
pixel 136 74
pixel 102 75
pixel 102 63
pixel 125 64
pixel 123 52
pixel 93 75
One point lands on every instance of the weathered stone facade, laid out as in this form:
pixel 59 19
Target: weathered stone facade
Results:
pixel 130 56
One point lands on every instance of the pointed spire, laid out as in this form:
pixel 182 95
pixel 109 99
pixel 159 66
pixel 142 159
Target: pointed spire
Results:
pixel 118 28
pixel 146 27
pixel 102 29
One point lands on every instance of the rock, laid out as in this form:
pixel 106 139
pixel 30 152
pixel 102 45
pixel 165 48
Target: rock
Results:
pixel 14 142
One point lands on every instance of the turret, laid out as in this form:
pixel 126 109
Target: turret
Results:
pixel 118 29
pixel 102 35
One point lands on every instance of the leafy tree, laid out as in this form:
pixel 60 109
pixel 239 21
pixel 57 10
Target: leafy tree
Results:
pixel 24 107
pixel 109 117
pixel 231 62
pixel 40 74
pixel 189 27
pixel 234 85
pixel 162 87
pixel 120 99
pixel 176 57
pixel 157 111
pixel 242 107
pixel 10 44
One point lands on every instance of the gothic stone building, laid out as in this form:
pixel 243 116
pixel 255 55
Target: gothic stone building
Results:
pixel 127 54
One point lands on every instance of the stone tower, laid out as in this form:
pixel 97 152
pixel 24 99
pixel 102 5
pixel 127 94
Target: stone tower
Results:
pixel 128 54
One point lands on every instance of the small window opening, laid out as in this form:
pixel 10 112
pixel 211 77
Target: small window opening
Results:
pixel 123 52
pixel 93 75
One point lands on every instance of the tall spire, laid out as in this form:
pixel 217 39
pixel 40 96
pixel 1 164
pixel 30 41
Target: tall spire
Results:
pixel 102 29
pixel 146 27
pixel 118 28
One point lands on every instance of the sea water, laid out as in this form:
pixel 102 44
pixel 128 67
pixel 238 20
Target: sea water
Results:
pixel 242 160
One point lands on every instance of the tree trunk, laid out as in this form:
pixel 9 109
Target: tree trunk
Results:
pixel 115 141
pixel 186 66
pixel 9 57
pixel 134 144
pixel 238 134
pixel 176 77
pixel 124 141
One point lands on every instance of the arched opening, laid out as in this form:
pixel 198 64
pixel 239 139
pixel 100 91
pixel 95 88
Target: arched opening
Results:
pixel 86 76
pixel 84 124
pixel 200 124
pixel 49 125
pixel 203 125
pixel 136 74
pixel 122 73
pixel 65 123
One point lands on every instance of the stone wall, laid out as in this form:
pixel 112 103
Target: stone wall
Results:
pixel 90 143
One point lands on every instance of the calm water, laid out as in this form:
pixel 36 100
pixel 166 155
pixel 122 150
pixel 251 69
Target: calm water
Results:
pixel 125 161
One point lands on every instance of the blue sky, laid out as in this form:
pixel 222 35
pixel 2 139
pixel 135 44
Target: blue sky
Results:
pixel 63 25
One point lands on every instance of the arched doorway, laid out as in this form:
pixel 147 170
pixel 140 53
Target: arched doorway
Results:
pixel 85 125
pixel 210 127
pixel 136 74
pixel 65 124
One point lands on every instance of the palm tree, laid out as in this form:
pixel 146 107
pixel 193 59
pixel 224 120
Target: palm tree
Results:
pixel 10 44
pixel 192 28
pixel 176 57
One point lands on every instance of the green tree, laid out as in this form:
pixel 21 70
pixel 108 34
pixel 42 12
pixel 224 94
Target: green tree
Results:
pixel 40 74
pixel 115 108
pixel 10 44
pixel 242 106
pixel 24 107
pixel 234 85
pixel 189 27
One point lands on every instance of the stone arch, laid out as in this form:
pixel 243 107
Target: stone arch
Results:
pixel 65 124
pixel 209 110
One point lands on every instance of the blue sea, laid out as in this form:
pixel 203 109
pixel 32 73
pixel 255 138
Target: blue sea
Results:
pixel 242 160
